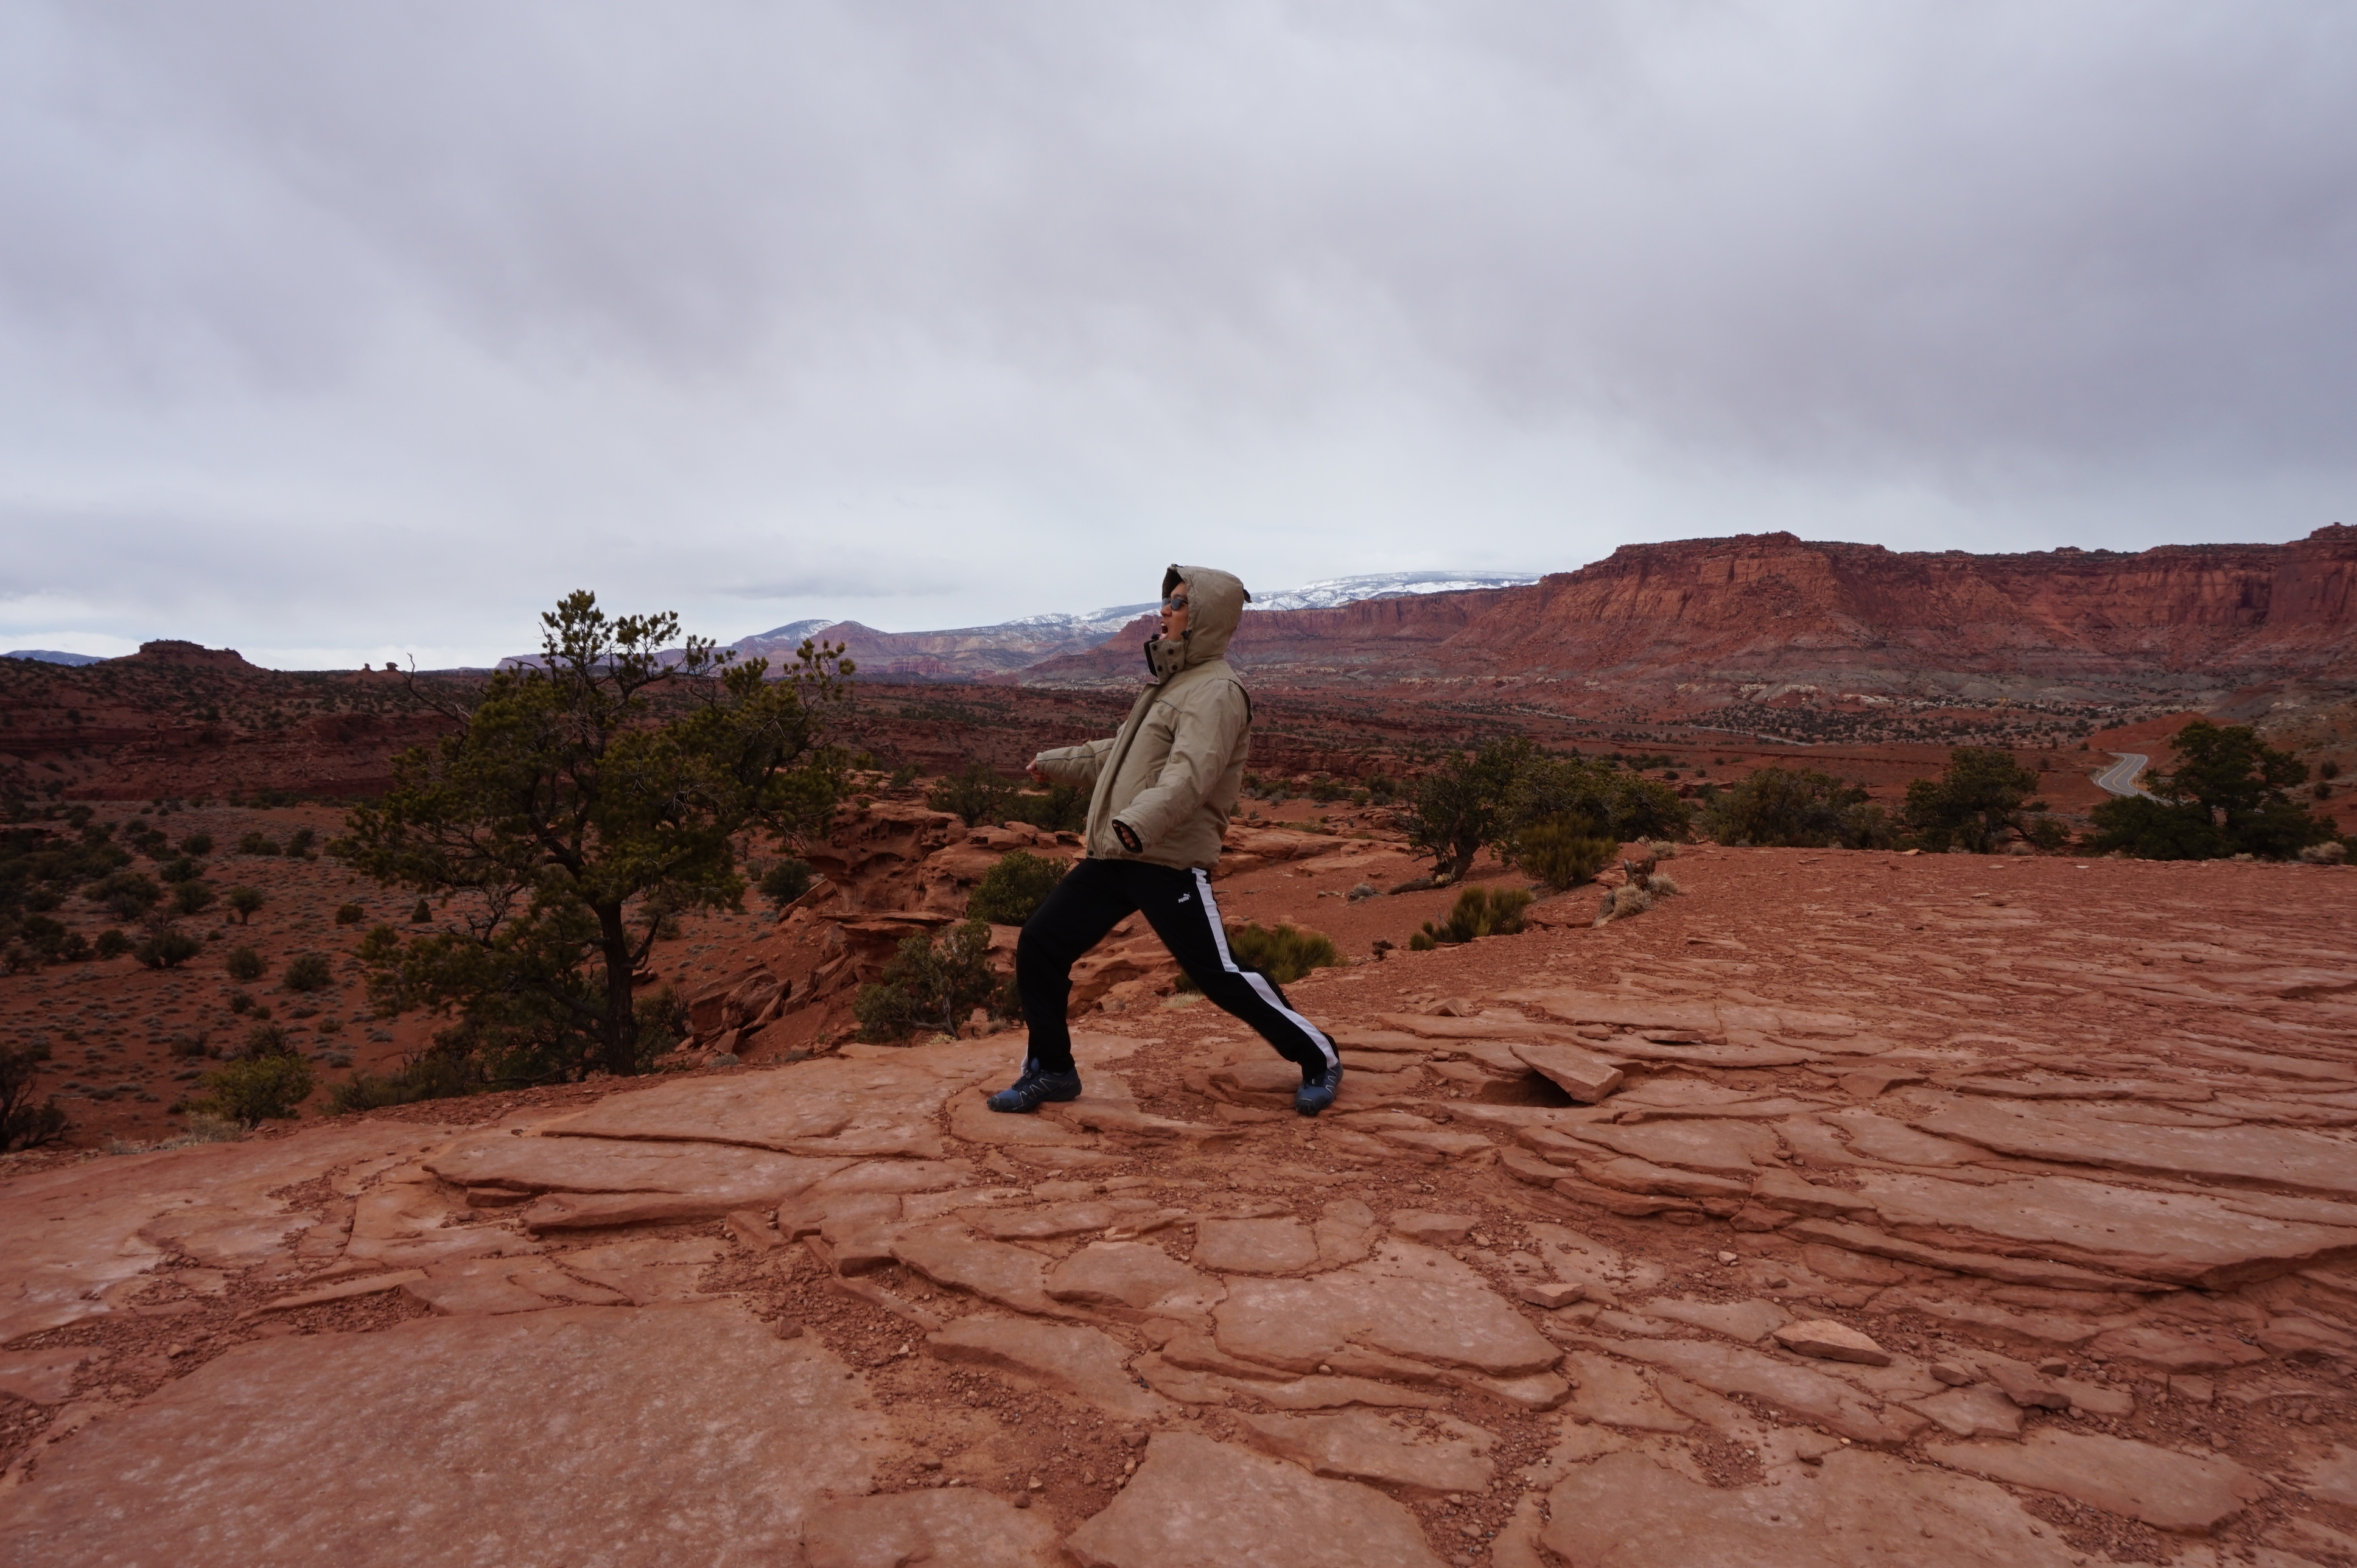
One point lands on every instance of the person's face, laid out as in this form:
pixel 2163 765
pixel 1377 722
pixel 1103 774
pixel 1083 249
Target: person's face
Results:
pixel 1175 610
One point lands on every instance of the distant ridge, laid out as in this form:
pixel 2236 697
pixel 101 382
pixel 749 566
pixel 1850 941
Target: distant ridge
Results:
pixel 51 655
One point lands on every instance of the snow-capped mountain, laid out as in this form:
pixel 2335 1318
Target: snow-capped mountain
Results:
pixel 1331 592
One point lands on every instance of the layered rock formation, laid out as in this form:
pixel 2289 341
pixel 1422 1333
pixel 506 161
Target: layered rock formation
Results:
pixel 1843 1209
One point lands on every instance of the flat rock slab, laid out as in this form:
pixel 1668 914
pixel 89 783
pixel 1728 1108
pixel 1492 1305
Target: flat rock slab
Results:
pixel 974 1121
pixel 996 1271
pixel 2167 1490
pixel 2279 1157
pixel 1978 1410
pixel 1837 1404
pixel 1281 1246
pixel 1750 1321
pixel 1584 1076
pixel 1200 1504
pixel 492 1286
pixel 1407 1301
pixel 1729 1148
pixel 850 1105
pixel 2180 1238
pixel 1434 1229
pixel 729 1175
pixel 1136 1274
pixel 1827 1341
pixel 1626 1512
pixel 956 1527
pixel 42 1376
pixel 1080 1361
pixel 461 1441
pixel 1437 1454
pixel 1619 1394
pixel 69 1234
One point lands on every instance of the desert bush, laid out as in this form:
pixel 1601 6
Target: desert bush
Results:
pixel 1063 809
pixel 1980 796
pixel 1562 851
pixel 197 845
pixel 167 949
pixel 192 898
pixel 350 914
pixel 23 1124
pixel 2331 852
pixel 240 1000
pixel 977 796
pixel 308 971
pixel 1662 885
pixel 256 1088
pixel 1010 890
pixel 1282 953
pixel 2048 834
pixel 300 842
pixel 1622 902
pixel 933 982
pixel 243 964
pixel 263 1040
pixel 112 943
pixel 1777 808
pixel 1479 912
pixel 2328 770
pixel 432 1075
pixel 243 902
pixel 422 915
pixel 126 895
pixel 257 842
pixel 780 885
pixel 1461 807
pixel 181 869
pixel 662 1020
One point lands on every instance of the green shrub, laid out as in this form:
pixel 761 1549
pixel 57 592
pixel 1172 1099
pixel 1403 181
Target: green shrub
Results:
pixel 126 894
pixel 2328 770
pixel 263 1040
pixel 243 902
pixel 350 914
pixel 1010 890
pixel 933 982
pixel 167 949
pixel 977 796
pixel 1981 795
pixel 1563 852
pixel 1284 953
pixel 1459 807
pixel 435 1075
pixel 242 1000
pixel 112 943
pixel 1479 912
pixel 780 885
pixel 2229 794
pixel 182 869
pixel 299 843
pixel 1780 807
pixel 197 844
pixel 422 915
pixel 257 842
pixel 1065 809
pixel 243 964
pixel 308 971
pixel 255 1089
pixel 192 898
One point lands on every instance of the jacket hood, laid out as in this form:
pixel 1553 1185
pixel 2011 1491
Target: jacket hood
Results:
pixel 1216 603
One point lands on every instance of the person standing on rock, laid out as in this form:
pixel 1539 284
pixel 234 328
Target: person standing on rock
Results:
pixel 1162 790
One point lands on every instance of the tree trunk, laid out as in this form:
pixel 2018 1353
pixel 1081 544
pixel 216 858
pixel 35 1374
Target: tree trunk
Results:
pixel 621 1025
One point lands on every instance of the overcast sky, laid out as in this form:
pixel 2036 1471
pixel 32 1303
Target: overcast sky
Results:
pixel 335 332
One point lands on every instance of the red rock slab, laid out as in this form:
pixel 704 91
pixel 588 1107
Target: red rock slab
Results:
pixel 1722 1148
pixel 1333 1393
pixel 973 1121
pixel 491 1286
pixel 70 1233
pixel 952 1526
pixel 1839 1406
pixel 1435 1456
pixel 583 1434
pixel 1407 1301
pixel 1828 1341
pixel 944 1253
pixel 1749 1321
pixel 1137 1275
pixel 855 1106
pixel 42 1376
pixel 1200 1504
pixel 1625 1510
pixel 1083 1219
pixel 1625 1174
pixel 1498 1026
pixel 1080 1361
pixel 1778 1188
pixel 1584 1076
pixel 646 1268
pixel 2166 1489
pixel 2011 1271
pixel 2175 1236
pixel 1280 1246
pixel 1272 1083
pixel 2278 1156
pixel 738 1176
pixel 1976 1410
pixel 1619 1394
pixel 2178 1349
pixel 340 1290
pixel 1882 1138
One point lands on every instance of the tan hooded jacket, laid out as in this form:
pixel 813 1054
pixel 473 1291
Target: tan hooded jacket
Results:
pixel 1173 772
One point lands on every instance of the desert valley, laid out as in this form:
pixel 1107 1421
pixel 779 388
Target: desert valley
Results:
pixel 1726 1201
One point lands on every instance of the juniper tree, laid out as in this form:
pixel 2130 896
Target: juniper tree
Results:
pixel 580 799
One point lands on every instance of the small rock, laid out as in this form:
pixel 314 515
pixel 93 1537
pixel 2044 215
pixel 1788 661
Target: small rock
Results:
pixel 2053 1367
pixel 1552 1295
pixel 2193 1389
pixel 1829 1341
pixel 1955 1374
pixel 1727 1257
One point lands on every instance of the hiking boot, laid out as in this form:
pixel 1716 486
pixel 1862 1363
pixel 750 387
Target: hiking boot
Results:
pixel 1319 1092
pixel 1036 1088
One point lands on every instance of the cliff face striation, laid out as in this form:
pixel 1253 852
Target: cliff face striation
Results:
pixel 1718 617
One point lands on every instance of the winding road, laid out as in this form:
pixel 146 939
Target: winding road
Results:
pixel 2120 778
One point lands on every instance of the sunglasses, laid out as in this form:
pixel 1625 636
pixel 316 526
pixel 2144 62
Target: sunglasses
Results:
pixel 1176 602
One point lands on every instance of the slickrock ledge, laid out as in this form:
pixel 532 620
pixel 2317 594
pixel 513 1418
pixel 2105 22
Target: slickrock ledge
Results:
pixel 1831 1213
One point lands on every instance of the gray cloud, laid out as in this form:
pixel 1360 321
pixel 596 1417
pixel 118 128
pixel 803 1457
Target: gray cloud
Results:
pixel 335 331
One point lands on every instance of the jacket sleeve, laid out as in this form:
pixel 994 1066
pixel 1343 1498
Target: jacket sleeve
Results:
pixel 1076 765
pixel 1205 731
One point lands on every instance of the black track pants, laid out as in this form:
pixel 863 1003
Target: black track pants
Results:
pixel 1097 894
